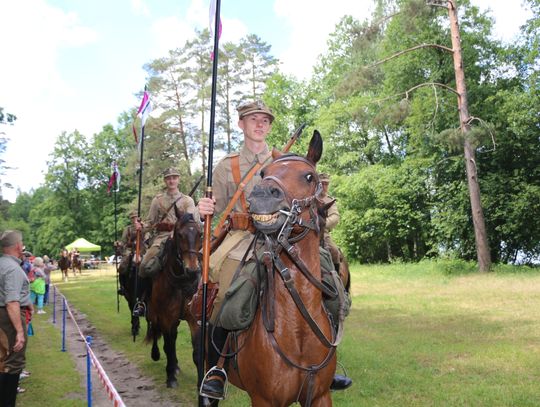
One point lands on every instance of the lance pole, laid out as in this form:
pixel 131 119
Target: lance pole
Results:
pixel 116 246
pixel 138 242
pixel 208 218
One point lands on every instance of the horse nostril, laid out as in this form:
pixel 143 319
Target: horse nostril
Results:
pixel 276 193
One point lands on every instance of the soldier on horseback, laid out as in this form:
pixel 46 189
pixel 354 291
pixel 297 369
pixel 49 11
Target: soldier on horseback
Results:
pixel 331 221
pixel 232 175
pixel 159 224
pixel 126 249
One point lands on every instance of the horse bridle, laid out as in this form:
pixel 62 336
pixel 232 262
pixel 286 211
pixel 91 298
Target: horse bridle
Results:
pixel 179 255
pixel 287 241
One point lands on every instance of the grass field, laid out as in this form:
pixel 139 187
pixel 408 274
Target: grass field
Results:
pixel 427 334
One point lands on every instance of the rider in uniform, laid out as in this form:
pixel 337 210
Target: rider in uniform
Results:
pixel 255 120
pixel 332 219
pixel 159 225
pixel 126 248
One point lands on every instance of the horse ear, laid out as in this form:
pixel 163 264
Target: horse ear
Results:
pixel 177 212
pixel 329 204
pixel 276 153
pixel 315 147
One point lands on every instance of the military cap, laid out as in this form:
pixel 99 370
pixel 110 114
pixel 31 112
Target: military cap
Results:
pixel 133 214
pixel 254 107
pixel 10 238
pixel 324 177
pixel 170 172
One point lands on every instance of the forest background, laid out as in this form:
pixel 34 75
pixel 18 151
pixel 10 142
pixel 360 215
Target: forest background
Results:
pixel 389 121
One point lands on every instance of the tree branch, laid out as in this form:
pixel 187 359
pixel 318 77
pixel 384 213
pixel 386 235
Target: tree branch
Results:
pixel 406 93
pixel 397 54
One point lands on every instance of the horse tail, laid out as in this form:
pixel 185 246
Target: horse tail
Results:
pixel 152 334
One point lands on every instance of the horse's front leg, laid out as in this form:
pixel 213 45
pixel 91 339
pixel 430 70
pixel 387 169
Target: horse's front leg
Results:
pixel 169 347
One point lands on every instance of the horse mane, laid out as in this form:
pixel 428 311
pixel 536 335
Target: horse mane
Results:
pixel 186 217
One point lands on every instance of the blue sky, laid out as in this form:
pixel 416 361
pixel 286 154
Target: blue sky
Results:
pixel 77 64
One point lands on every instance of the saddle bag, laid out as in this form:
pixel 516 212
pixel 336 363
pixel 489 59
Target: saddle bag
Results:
pixel 195 305
pixel 154 264
pixel 241 299
pixel 331 279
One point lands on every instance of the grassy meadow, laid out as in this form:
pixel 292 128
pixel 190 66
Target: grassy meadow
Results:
pixel 426 334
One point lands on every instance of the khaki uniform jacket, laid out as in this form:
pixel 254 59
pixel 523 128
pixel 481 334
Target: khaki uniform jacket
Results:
pixel 333 214
pixel 223 188
pixel 223 185
pixel 158 208
pixel 129 240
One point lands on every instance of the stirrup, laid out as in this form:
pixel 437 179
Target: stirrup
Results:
pixel 139 305
pixel 211 372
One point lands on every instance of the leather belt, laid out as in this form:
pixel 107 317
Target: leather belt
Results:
pixel 164 227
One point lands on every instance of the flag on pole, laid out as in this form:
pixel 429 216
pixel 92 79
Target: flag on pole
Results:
pixel 212 22
pixel 114 179
pixel 144 110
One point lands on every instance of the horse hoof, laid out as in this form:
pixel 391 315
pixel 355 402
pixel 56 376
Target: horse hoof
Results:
pixel 172 384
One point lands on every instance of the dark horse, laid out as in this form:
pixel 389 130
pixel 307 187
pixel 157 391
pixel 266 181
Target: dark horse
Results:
pixel 343 271
pixel 288 353
pixel 76 263
pixel 130 289
pixel 64 264
pixel 172 289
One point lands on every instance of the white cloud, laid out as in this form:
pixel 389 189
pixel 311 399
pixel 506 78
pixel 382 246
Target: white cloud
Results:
pixel 31 84
pixel 310 26
pixel 172 32
pixel 139 7
pixel 508 15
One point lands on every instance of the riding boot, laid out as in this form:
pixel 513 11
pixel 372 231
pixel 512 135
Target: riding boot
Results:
pixel 143 287
pixel 8 390
pixel 122 280
pixel 340 382
pixel 215 379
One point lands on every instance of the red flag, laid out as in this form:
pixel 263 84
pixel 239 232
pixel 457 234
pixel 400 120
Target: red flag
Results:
pixel 114 179
pixel 144 110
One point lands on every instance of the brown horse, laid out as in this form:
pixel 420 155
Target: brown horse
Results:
pixel 76 263
pixel 64 264
pixel 343 271
pixel 288 353
pixel 172 290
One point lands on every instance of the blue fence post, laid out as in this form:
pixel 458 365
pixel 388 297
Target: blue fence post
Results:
pixel 54 306
pixel 88 371
pixel 63 324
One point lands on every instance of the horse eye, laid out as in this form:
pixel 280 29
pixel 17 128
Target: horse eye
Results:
pixel 309 177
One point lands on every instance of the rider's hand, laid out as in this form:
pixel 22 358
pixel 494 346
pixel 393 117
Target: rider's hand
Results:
pixel 206 206
pixel 138 225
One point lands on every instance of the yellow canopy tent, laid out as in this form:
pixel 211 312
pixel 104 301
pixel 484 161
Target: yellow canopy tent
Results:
pixel 83 245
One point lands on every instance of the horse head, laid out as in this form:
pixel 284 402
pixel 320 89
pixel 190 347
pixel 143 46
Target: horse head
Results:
pixel 187 241
pixel 289 186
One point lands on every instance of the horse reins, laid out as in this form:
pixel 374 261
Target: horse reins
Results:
pixel 271 258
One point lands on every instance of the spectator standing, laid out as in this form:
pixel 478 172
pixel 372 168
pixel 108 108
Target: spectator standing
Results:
pixel 14 301
pixel 48 267
pixel 37 284
pixel 26 265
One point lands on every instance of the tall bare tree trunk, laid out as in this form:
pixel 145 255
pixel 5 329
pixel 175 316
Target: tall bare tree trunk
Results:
pixel 482 245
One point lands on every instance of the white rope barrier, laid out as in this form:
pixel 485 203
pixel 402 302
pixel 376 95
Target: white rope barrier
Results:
pixel 104 378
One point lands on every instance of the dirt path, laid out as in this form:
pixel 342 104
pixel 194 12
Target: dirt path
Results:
pixel 134 388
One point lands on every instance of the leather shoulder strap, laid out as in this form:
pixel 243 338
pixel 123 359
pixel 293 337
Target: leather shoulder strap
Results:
pixel 240 189
pixel 235 166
